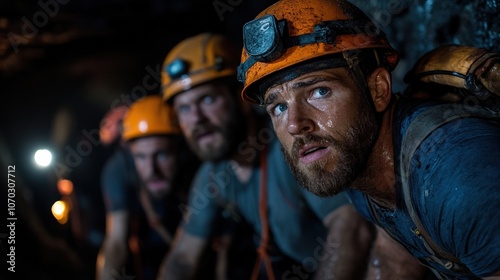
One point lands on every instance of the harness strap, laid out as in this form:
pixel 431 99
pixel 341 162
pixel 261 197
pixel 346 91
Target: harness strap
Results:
pixel 420 128
pixel 153 219
pixel 262 251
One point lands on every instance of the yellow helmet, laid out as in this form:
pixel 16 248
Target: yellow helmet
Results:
pixel 290 32
pixel 149 116
pixel 197 60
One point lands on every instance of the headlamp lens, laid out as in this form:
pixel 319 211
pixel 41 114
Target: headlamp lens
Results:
pixel 262 39
pixel 177 68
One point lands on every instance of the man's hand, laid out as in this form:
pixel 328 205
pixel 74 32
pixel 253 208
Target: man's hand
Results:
pixel 390 260
pixel 113 253
pixel 348 245
pixel 183 259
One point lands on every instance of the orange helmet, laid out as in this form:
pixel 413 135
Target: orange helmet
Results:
pixel 293 31
pixel 149 116
pixel 197 60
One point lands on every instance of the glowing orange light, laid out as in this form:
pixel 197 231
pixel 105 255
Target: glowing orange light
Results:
pixel 60 211
pixel 65 186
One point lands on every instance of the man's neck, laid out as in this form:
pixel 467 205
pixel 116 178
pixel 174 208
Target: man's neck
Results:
pixel 244 158
pixel 242 168
pixel 378 179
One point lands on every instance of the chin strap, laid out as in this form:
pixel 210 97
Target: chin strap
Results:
pixel 262 251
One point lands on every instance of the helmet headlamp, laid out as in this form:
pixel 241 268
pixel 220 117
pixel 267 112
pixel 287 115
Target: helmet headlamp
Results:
pixel 177 68
pixel 265 39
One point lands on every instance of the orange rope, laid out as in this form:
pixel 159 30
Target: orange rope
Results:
pixel 262 251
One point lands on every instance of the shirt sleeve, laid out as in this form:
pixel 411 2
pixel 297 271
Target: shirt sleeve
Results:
pixel 116 183
pixel 459 195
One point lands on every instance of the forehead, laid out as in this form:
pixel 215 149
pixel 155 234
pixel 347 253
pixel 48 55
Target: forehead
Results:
pixel 152 144
pixel 334 74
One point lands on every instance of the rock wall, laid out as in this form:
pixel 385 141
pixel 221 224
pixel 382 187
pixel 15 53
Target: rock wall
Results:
pixel 415 27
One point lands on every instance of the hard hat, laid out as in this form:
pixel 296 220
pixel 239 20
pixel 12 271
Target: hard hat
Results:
pixel 197 60
pixel 149 116
pixel 293 31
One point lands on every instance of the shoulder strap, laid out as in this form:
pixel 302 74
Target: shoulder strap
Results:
pixel 419 129
pixel 153 218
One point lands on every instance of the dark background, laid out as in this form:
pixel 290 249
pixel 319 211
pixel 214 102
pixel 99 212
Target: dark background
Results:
pixel 64 64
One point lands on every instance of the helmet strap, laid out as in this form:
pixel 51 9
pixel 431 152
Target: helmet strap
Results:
pixel 352 59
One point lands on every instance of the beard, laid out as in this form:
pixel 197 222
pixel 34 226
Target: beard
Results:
pixel 213 151
pixel 155 192
pixel 232 133
pixel 353 154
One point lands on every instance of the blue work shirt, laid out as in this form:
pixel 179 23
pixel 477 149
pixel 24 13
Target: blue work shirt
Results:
pixel 455 187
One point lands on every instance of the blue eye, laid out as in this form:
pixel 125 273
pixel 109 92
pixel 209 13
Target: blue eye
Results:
pixel 183 109
pixel 319 92
pixel 280 108
pixel 208 99
pixel 163 156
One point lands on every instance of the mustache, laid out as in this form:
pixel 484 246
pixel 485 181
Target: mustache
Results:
pixel 300 142
pixel 204 128
pixel 155 177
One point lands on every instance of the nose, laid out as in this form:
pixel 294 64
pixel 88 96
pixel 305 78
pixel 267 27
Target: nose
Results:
pixel 299 121
pixel 197 114
pixel 155 167
pixel 149 167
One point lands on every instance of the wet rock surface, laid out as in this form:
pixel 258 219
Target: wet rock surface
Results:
pixel 415 27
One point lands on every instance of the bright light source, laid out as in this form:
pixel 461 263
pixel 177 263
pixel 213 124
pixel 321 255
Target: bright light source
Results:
pixel 60 211
pixel 43 157
pixel 58 208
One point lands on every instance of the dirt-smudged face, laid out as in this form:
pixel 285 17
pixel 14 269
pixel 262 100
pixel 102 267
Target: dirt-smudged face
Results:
pixel 326 128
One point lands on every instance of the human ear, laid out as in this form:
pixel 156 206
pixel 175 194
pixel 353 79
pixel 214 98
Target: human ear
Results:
pixel 380 85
